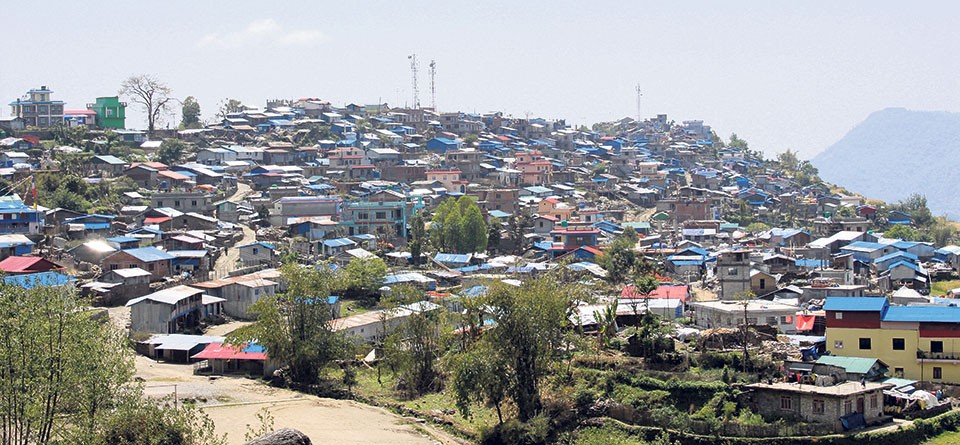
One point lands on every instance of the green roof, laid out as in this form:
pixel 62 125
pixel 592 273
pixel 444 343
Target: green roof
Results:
pixel 853 365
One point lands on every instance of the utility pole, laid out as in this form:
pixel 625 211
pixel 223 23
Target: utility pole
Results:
pixel 414 66
pixel 639 95
pixel 433 85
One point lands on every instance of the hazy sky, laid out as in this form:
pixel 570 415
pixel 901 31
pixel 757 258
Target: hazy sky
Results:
pixel 779 74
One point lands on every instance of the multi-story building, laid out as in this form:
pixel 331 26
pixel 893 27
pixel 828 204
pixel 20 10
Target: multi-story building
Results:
pixel 195 201
pixel 111 113
pixel 733 269
pixel 17 217
pixel 37 110
pixel 917 342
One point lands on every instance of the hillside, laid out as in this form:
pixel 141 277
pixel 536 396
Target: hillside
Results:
pixel 896 152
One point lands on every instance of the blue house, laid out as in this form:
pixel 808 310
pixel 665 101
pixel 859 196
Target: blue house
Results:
pixel 900 218
pixel 15 245
pixel 17 217
pixel 92 223
pixel 443 145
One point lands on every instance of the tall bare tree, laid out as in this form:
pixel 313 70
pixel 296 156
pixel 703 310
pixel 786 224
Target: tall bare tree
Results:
pixel 150 93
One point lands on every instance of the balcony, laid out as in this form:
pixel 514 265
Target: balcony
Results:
pixel 947 357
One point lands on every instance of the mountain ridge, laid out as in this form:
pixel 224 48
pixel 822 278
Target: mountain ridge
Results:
pixel 895 152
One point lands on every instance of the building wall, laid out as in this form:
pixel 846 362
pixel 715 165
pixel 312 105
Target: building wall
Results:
pixel 881 347
pixel 150 316
pixel 123 260
pixel 769 405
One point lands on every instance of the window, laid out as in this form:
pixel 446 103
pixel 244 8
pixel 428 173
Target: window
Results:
pixel 898 344
pixel 838 344
pixel 731 271
pixel 847 407
pixel 818 406
pixel 381 215
pixel 873 401
pixel 193 203
pixel 763 283
pixel 256 251
pixel 150 267
pixel 898 372
pixel 838 315
pixel 937 372
pixel 159 203
pixel 176 203
pixel 786 403
pixel 936 346
pixel 864 344
pixel 771 320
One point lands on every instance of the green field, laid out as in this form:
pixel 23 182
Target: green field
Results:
pixel 948 438
pixel 941 287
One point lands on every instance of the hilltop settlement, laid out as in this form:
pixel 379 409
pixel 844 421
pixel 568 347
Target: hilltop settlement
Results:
pixel 711 292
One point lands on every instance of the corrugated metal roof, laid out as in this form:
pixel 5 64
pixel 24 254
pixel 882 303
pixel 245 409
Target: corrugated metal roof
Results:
pixel 856 365
pixel 855 304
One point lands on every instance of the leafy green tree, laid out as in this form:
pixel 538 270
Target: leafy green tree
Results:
pixel 757 227
pixel 190 111
pixel 141 421
pixel 518 226
pixel 903 232
pixel 477 378
pixel 619 258
pixel 453 230
pixel 364 276
pixel 531 323
pixel 736 142
pixel 228 106
pixel 417 234
pixel 493 236
pixel 171 151
pixel 474 230
pixel 412 350
pixel 294 326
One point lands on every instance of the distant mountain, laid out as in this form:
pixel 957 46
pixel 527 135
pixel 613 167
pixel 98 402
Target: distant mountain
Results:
pixel 896 152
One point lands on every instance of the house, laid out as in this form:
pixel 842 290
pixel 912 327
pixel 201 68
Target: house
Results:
pixel 762 283
pixel 918 342
pixel 92 251
pixel 193 201
pixel 131 283
pixel 240 292
pixel 17 217
pixel 857 368
pixel 372 325
pixel 32 280
pixel 12 158
pixel 151 259
pixel 730 314
pixel 107 165
pixel 555 208
pixel 11 245
pixel 293 207
pixel 176 348
pixel 336 246
pixel 86 225
pixel 19 265
pixel 167 311
pixel 37 110
pixel 840 407
pixel 443 145
pixel 219 358
pixel 565 240
pixel 110 112
pixel 256 253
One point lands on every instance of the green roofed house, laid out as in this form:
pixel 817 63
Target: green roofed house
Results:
pixel 857 367
pixel 111 113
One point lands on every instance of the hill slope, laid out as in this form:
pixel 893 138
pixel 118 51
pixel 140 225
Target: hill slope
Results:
pixel 896 152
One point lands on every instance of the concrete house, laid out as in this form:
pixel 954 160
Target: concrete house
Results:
pixel 840 407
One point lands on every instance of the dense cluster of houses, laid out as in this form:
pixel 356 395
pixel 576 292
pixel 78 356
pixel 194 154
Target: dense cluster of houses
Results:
pixel 177 254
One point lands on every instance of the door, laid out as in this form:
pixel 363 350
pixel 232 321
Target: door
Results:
pixel 860 405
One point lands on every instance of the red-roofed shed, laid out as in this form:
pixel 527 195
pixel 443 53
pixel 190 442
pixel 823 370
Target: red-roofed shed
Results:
pixel 17 265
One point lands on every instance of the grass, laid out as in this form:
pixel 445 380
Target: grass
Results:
pixel 947 438
pixel 352 307
pixel 440 405
pixel 941 287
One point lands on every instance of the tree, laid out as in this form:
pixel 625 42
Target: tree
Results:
pixel 607 322
pixel 531 322
pixel 474 230
pixel 190 111
pixel 171 151
pixel 477 378
pixel 736 142
pixel 294 326
pixel 519 223
pixel 453 230
pixel 150 93
pixel 903 232
pixel 744 299
pixel 415 345
pixel 365 275
pixel 417 234
pixel 228 106
pixel 493 236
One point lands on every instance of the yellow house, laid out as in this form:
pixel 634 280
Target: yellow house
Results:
pixel 917 342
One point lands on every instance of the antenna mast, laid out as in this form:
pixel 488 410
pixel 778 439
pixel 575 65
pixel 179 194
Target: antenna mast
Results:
pixel 639 95
pixel 414 66
pixel 433 85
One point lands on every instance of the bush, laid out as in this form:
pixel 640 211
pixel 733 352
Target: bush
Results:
pixel 513 431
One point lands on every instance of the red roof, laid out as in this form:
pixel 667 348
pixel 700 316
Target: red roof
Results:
pixel 27 264
pixel 157 219
pixel 592 250
pixel 78 112
pixel 228 352
pixel 173 175
pixel 669 292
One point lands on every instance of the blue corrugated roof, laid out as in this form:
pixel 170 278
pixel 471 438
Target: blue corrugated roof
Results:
pixel 855 304
pixel 261 243
pixel 923 313
pixel 896 254
pixel 149 254
pixel 339 242
pixel 452 258
pixel 123 239
pixel 30 281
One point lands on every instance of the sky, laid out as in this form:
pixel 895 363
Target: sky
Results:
pixel 782 75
